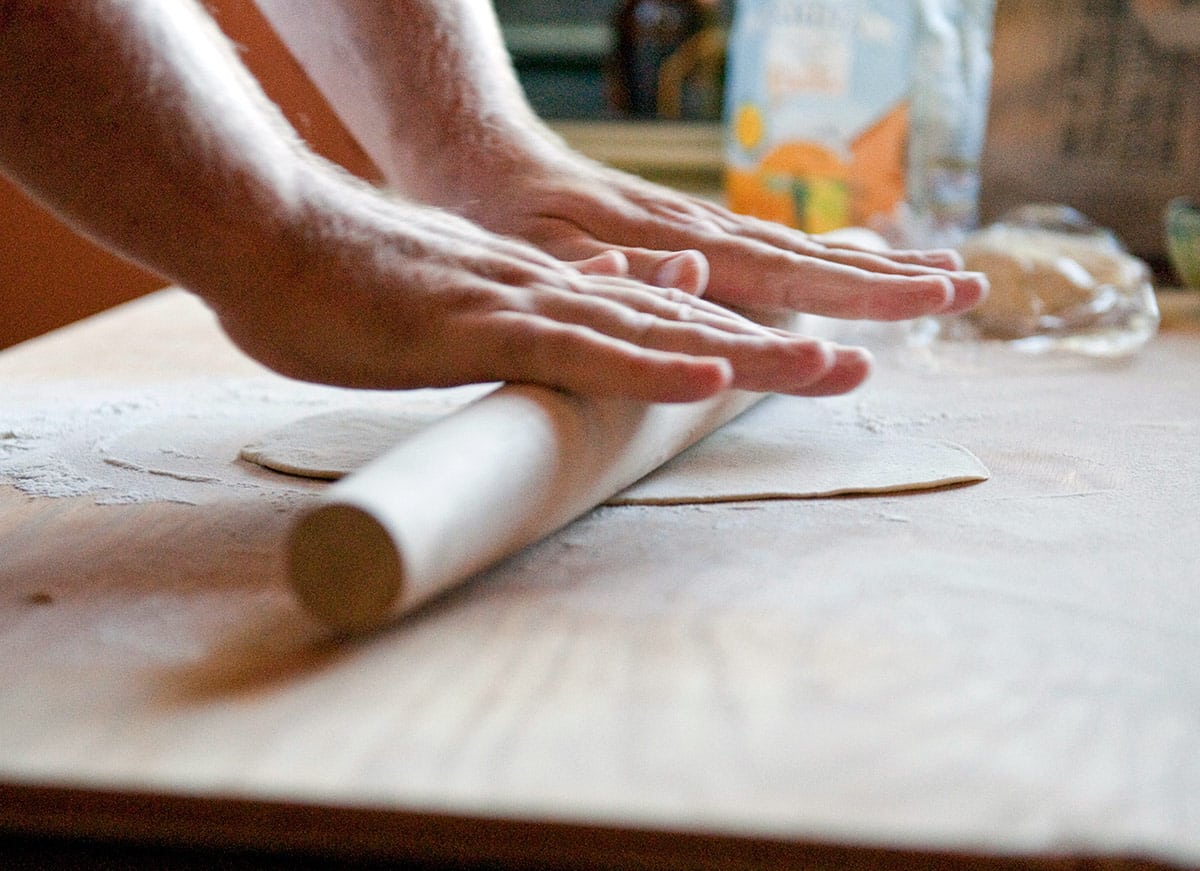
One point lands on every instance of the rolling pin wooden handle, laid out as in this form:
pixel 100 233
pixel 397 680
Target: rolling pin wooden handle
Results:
pixel 476 487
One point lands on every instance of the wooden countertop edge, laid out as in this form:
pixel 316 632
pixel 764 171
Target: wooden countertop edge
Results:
pixel 360 833
pixel 1178 308
pixel 648 146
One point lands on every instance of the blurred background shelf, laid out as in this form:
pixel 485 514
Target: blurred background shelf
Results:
pixel 683 154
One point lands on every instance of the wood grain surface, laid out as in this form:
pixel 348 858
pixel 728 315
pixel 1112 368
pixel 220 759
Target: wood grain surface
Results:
pixel 972 676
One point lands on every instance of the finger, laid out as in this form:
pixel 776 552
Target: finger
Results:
pixel 607 262
pixel 685 269
pixel 748 273
pixel 850 368
pixel 836 290
pixel 849 240
pixel 762 359
pixel 682 270
pixel 668 303
pixel 860 289
pixel 581 360
pixel 969 287
pixel 887 261
pixel 782 269
pixel 862 239
pixel 754 243
pixel 704 220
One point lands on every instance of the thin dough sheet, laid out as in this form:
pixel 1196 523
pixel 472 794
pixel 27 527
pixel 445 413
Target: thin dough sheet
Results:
pixel 732 466
pixel 745 460
pixel 333 444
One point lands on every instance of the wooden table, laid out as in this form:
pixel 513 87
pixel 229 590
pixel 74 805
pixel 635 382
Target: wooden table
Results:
pixel 1002 674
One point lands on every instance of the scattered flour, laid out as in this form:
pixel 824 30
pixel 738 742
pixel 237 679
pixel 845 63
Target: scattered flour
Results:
pixel 184 443
pixel 176 443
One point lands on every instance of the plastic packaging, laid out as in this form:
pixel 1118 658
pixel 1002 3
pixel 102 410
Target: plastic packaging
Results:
pixel 1059 283
pixel 859 112
pixel 951 84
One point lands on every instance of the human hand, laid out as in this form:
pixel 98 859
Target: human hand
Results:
pixel 389 66
pixel 573 208
pixel 323 277
pixel 379 293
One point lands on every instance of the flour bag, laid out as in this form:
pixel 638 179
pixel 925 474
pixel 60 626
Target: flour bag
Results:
pixel 859 112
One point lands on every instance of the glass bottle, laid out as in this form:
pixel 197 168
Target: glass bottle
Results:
pixel 648 32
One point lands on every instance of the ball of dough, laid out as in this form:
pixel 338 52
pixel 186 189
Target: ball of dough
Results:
pixel 1046 280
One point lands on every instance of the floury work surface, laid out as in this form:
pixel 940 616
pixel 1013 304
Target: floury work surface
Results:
pixel 994 671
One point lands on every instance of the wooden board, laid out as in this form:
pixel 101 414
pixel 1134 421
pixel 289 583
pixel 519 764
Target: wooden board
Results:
pixel 978 675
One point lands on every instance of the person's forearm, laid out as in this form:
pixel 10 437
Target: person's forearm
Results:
pixel 426 87
pixel 136 121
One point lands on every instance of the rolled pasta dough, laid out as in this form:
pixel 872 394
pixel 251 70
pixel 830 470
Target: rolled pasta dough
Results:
pixel 739 462
pixel 333 444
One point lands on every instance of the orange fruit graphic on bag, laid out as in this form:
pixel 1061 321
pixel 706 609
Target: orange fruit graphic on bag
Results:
pixel 802 184
pixel 878 166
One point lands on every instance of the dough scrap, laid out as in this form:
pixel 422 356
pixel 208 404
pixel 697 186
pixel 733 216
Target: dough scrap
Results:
pixel 333 444
pixel 737 463
pixel 734 466
pixel 1042 279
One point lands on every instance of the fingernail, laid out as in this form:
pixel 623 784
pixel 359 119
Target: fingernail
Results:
pixel 671 270
pixel 948 292
pixel 607 263
pixel 687 270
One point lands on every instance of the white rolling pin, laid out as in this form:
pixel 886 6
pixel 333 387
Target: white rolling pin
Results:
pixel 476 487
